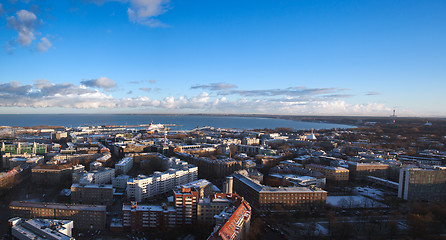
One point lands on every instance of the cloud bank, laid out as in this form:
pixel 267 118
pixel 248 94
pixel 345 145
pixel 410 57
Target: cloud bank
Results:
pixel 88 95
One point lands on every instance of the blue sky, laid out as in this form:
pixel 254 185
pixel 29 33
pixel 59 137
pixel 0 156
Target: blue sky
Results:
pixel 275 57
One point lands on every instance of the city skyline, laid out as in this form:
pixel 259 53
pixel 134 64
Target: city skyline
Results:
pixel 253 57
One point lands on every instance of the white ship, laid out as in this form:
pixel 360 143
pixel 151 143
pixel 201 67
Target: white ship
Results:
pixel 155 126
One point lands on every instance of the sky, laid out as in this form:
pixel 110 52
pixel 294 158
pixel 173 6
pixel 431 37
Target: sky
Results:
pixel 360 58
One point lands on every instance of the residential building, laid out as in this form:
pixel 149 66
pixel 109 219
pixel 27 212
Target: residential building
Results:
pixel 143 187
pixel 213 168
pixel 331 173
pixel 120 182
pixel 124 165
pixel 265 198
pixel 207 208
pixel 233 222
pixel 138 217
pixel 83 216
pixel 92 194
pixel 185 201
pixel 22 147
pixel 202 186
pixel 46 174
pixel 422 184
pixel 99 176
pixel 14 176
pixel 360 171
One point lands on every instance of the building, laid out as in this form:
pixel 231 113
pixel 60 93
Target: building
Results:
pixel 422 184
pixel 143 187
pixel 185 201
pixel 331 173
pixel 296 180
pixel 137 217
pixel 58 135
pixel 202 186
pixel 207 208
pixel 50 175
pixel 98 176
pixel 124 165
pixel 233 222
pixel 83 216
pixel 360 171
pixel 21 148
pixel 8 157
pixel 92 194
pixel 36 229
pixel 265 198
pixel 17 161
pixel 13 177
pixel 213 168
pixel 120 182
pixel 250 141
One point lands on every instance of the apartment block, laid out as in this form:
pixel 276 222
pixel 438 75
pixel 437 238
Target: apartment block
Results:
pixel 422 184
pixel 92 194
pixel 331 173
pixel 83 216
pixel 360 171
pixel 138 217
pixel 143 187
pixel 233 222
pixel 120 182
pixel 99 176
pixel 208 208
pixel 213 168
pixel 185 201
pixel 46 174
pixel 264 197
pixel 124 165
pixel 21 148
pixel 14 176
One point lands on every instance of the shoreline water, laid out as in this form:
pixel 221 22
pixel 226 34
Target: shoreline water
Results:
pixel 188 121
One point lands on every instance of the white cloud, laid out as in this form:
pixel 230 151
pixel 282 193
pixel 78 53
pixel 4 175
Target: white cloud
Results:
pixel 44 94
pixel 144 11
pixel 44 44
pixel 24 23
pixel 102 82
pixel 145 89
pixel 215 86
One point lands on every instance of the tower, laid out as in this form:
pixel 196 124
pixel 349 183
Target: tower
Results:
pixel 228 184
pixel 393 117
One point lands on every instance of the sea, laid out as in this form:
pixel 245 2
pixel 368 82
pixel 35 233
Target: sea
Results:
pixel 183 122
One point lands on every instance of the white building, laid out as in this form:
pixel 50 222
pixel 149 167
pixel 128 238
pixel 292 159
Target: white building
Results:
pixel 143 187
pixel 124 165
pixel 100 176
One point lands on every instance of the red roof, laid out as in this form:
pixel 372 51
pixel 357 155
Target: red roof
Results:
pixel 230 228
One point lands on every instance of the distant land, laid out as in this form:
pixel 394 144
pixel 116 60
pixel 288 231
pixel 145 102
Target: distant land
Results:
pixel 347 120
